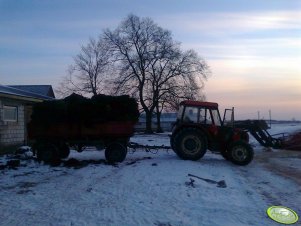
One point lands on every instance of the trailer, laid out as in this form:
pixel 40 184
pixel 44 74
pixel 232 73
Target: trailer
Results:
pixel 103 121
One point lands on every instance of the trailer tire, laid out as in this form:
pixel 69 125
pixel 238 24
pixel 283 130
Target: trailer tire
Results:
pixel 48 153
pixel 241 153
pixel 190 144
pixel 172 143
pixel 64 150
pixel 115 152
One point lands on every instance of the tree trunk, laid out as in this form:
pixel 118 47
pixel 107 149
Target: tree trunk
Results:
pixel 148 117
pixel 159 128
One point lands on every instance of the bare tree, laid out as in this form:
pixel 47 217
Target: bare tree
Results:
pixel 88 73
pixel 133 44
pixel 151 65
pixel 179 75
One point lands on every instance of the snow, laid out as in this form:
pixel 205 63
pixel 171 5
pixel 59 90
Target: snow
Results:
pixel 151 188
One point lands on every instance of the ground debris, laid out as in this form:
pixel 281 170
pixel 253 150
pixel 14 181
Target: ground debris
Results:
pixel 10 164
pixel 220 184
pixel 190 183
pixel 137 160
pixel 80 164
pixel 162 224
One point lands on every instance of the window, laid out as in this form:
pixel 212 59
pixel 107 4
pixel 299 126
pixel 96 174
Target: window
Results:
pixel 10 113
pixel 191 115
pixel 216 117
pixel 202 116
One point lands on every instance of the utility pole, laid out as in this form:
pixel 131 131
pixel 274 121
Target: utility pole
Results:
pixel 270 114
pixel 258 114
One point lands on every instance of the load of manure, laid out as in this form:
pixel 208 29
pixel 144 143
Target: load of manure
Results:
pixel 78 109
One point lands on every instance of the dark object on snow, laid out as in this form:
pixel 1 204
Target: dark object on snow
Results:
pixel 137 160
pixel 14 163
pixel 190 183
pixel 2 167
pixel 77 121
pixel 79 164
pixel 72 163
pixel 23 152
pixel 220 184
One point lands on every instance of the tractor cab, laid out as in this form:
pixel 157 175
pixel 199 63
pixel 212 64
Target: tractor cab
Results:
pixel 199 127
pixel 199 112
pixel 206 116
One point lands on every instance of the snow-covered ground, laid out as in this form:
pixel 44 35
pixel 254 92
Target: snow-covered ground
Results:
pixel 152 188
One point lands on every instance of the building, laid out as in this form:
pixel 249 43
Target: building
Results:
pixel 167 121
pixel 15 110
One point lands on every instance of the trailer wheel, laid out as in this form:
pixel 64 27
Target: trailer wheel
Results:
pixel 64 150
pixel 172 143
pixel 115 152
pixel 48 153
pixel 190 144
pixel 241 153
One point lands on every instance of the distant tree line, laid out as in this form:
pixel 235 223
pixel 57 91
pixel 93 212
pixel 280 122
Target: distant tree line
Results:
pixel 141 59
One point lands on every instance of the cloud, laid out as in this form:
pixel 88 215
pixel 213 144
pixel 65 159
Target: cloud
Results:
pixel 233 22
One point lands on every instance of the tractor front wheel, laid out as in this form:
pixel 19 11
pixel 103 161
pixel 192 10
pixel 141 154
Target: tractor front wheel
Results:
pixel 241 153
pixel 190 144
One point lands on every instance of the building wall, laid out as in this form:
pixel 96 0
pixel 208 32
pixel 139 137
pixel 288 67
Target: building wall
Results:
pixel 167 122
pixel 12 133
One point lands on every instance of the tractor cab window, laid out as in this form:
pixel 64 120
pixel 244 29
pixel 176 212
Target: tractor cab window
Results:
pixel 206 117
pixel 191 115
pixel 202 116
pixel 228 117
pixel 216 117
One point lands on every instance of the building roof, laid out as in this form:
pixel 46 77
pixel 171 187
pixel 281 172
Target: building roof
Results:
pixel 15 93
pixel 45 90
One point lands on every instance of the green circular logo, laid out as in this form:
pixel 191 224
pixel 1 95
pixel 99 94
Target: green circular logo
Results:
pixel 282 214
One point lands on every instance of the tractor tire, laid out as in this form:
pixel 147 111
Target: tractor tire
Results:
pixel 64 150
pixel 190 144
pixel 48 153
pixel 115 152
pixel 241 153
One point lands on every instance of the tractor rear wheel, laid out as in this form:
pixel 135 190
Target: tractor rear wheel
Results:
pixel 190 144
pixel 241 153
pixel 115 152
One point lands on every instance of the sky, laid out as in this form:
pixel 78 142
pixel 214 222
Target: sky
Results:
pixel 253 47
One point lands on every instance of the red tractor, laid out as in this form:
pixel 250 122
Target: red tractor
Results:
pixel 199 127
